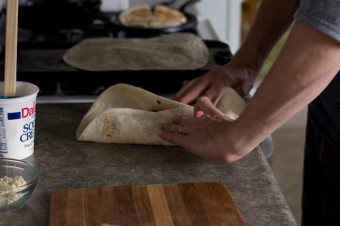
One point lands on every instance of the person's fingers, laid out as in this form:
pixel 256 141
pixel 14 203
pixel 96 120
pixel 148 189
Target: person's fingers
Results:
pixel 213 92
pixel 182 120
pixel 185 87
pixel 174 138
pixel 190 91
pixel 174 128
pixel 171 127
pixel 205 106
pixel 177 120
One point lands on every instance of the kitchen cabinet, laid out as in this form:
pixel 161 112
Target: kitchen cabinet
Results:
pixel 64 162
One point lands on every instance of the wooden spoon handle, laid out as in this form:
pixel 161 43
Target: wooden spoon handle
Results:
pixel 11 47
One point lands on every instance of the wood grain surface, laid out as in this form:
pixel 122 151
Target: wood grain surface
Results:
pixel 187 204
pixel 11 48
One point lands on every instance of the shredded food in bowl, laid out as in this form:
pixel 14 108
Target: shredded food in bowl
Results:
pixel 8 193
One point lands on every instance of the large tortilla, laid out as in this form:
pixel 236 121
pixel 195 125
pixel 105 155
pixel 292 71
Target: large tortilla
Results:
pixel 130 115
pixel 180 51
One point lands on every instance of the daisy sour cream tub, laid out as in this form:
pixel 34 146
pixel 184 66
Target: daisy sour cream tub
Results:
pixel 17 121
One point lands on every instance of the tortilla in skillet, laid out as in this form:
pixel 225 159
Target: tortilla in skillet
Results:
pixel 136 16
pixel 143 16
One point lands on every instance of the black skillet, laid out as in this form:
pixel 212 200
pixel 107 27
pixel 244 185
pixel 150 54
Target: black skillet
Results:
pixel 58 15
pixel 190 24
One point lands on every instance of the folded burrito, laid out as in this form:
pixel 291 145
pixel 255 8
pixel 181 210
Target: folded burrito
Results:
pixel 130 115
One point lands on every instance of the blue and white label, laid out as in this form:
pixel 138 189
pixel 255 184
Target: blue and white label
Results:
pixel 25 112
pixel 14 115
pixel 17 125
pixel 3 141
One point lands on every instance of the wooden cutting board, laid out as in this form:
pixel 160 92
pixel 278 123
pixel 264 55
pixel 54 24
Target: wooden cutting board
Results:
pixel 187 204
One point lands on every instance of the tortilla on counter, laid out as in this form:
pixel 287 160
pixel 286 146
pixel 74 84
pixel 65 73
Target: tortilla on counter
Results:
pixel 126 114
pixel 180 51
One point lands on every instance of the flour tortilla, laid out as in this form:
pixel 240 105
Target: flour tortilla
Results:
pixel 137 16
pixel 126 114
pixel 164 16
pixel 180 51
pixel 230 103
pixel 143 16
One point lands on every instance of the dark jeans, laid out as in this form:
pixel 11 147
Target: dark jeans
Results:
pixel 321 185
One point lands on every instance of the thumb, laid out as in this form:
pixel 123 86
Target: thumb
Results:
pixel 204 106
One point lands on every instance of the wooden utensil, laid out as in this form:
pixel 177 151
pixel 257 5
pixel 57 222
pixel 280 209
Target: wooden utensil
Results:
pixel 188 204
pixel 11 48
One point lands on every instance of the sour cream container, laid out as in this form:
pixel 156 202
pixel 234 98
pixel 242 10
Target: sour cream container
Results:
pixel 17 121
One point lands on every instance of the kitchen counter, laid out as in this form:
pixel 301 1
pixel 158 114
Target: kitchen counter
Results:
pixel 63 163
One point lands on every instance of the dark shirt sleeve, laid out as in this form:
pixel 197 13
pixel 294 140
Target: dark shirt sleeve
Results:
pixel 323 15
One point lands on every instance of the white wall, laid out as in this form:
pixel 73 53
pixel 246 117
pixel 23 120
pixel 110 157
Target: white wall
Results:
pixel 225 17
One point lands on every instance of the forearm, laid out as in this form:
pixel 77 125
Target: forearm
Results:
pixel 273 18
pixel 306 65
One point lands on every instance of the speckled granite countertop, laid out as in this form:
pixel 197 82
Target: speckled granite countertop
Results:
pixel 63 162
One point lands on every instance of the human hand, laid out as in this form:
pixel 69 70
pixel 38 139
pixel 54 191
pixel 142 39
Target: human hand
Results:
pixel 208 135
pixel 211 83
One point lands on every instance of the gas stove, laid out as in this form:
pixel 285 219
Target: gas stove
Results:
pixel 40 51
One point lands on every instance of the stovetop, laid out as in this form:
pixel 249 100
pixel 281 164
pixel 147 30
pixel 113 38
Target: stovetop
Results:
pixel 40 62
